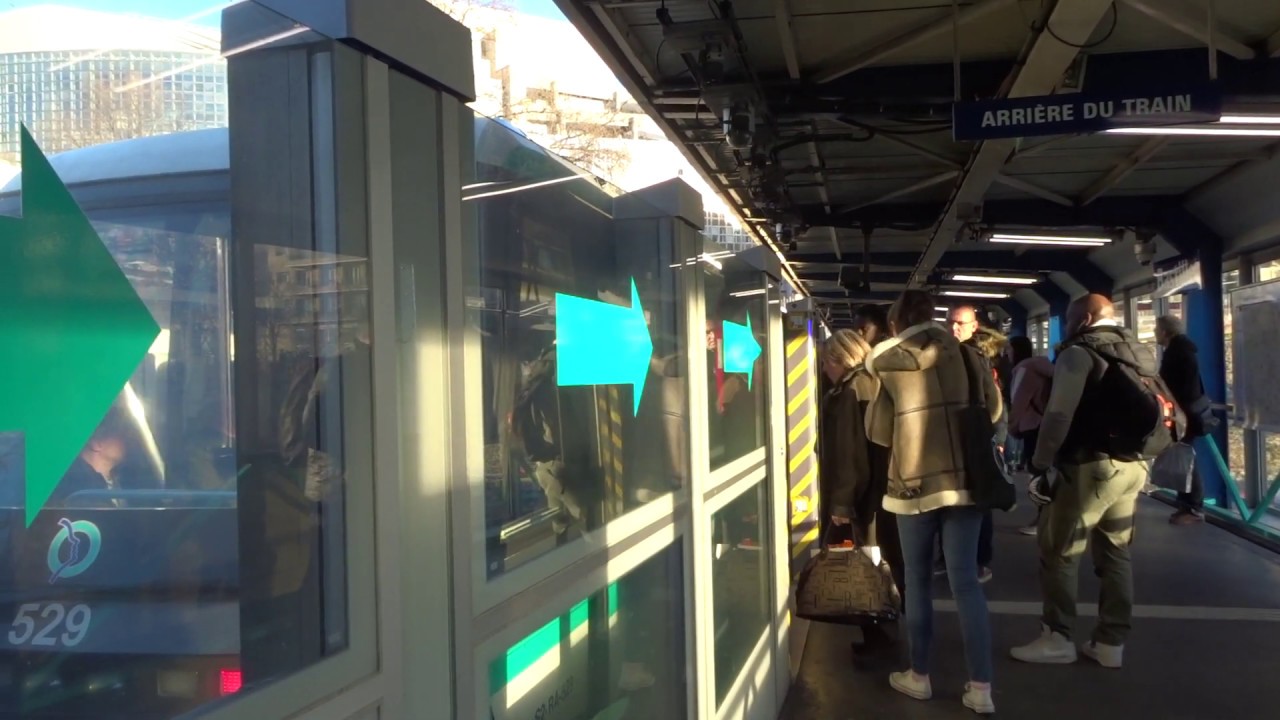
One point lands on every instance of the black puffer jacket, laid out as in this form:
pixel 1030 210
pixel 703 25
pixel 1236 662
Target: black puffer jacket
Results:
pixel 854 472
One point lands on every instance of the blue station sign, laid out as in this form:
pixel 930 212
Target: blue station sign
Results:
pixel 1083 113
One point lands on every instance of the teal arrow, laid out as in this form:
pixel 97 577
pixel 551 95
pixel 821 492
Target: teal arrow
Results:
pixel 740 349
pixel 74 329
pixel 602 344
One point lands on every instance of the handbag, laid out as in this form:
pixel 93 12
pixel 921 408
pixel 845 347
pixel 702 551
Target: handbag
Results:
pixel 845 585
pixel 1174 468
pixel 988 485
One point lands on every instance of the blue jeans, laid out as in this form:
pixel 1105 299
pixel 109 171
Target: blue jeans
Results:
pixel 959 528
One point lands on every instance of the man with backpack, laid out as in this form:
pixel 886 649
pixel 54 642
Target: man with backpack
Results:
pixel 1108 412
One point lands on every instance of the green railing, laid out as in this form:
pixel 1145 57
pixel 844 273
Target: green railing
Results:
pixel 1242 514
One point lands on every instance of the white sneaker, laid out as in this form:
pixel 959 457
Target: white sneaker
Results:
pixel 1029 530
pixel 912 685
pixel 978 699
pixel 1108 656
pixel 1051 648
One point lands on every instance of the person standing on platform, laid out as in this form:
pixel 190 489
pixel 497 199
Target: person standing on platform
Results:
pixel 854 471
pixel 924 390
pixel 1088 473
pixel 966 328
pixel 1028 400
pixel 1180 368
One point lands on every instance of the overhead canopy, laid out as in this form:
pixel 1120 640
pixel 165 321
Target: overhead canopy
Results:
pixel 828 125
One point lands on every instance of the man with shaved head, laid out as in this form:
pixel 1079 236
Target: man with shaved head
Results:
pixel 1088 480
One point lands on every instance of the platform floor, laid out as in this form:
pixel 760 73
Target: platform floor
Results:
pixel 1205 644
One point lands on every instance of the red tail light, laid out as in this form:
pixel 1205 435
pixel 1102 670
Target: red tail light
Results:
pixel 230 681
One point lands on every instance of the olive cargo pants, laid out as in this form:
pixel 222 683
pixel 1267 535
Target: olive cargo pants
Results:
pixel 1094 504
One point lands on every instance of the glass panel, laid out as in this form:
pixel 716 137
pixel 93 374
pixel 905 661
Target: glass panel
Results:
pixel 1270 460
pixel 172 521
pixel 1144 317
pixel 740 583
pixel 736 302
pixel 1230 281
pixel 1235 457
pixel 577 300
pixel 1267 271
pixel 617 654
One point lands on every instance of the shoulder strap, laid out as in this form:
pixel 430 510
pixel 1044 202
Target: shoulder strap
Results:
pixel 975 378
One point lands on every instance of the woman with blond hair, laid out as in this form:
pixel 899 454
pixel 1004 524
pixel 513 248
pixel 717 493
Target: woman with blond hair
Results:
pixel 854 472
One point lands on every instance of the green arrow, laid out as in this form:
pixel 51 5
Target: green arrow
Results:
pixel 74 329
pixel 740 349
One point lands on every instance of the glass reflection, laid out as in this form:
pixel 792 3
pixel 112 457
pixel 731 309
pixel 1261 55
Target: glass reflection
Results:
pixel 617 654
pixel 736 303
pixel 740 583
pixel 195 547
pixel 583 370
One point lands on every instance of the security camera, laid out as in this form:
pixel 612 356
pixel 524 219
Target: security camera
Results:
pixel 1144 248
pixel 739 127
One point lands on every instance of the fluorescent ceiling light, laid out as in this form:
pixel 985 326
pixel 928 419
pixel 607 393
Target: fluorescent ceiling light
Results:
pixel 939 308
pixel 1198 131
pixel 747 293
pixel 1250 119
pixel 975 294
pixel 1023 239
pixel 995 279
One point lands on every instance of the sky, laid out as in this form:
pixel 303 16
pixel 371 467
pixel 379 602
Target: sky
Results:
pixel 179 9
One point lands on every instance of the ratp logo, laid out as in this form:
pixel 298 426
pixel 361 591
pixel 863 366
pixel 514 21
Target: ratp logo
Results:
pixel 74 549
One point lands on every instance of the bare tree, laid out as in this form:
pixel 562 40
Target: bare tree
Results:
pixel 114 109
pixel 578 128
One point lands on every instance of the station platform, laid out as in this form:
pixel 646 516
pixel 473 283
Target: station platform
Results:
pixel 1205 632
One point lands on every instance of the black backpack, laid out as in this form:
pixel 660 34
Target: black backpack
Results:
pixel 1142 417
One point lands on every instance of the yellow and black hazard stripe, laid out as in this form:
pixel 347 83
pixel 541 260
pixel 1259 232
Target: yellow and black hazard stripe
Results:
pixel 802 436
pixel 611 450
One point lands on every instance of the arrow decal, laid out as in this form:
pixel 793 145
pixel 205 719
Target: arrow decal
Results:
pixel 598 343
pixel 74 329
pixel 740 349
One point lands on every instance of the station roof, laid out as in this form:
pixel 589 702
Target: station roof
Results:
pixel 850 146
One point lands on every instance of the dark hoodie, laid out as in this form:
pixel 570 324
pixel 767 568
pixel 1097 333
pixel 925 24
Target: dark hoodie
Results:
pixel 1180 370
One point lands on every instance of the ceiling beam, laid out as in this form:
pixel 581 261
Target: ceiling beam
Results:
pixel 1032 189
pixel 854 59
pixel 1122 170
pixel 1047 60
pixel 920 150
pixel 908 190
pixel 820 166
pixel 1196 28
pixel 956 260
pixel 1105 212
pixel 787 36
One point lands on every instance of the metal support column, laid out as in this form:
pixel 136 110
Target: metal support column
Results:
pixel 1058 302
pixel 1205 328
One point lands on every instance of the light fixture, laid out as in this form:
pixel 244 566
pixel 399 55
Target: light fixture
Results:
pixel 747 293
pixel 995 279
pixel 940 308
pixel 1250 120
pixel 1038 239
pixel 975 294
pixel 1198 131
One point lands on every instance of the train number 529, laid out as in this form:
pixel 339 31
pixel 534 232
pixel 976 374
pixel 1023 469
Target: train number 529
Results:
pixel 50 625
